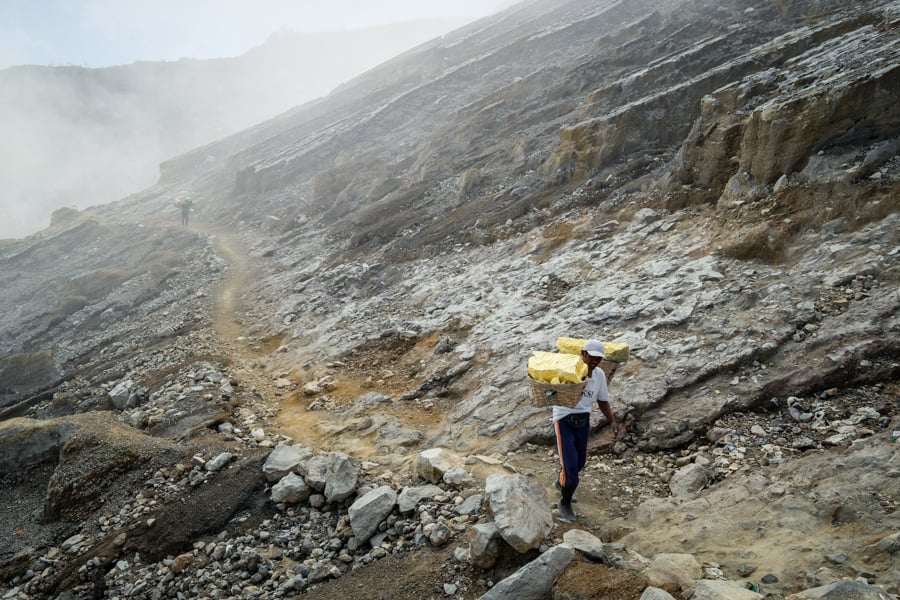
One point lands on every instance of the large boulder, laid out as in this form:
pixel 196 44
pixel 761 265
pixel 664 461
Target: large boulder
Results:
pixel 535 580
pixel 521 510
pixel 370 510
pixel 434 462
pixel 285 459
pixel 335 474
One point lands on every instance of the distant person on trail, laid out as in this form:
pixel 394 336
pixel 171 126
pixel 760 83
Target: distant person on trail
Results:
pixel 186 205
pixel 573 426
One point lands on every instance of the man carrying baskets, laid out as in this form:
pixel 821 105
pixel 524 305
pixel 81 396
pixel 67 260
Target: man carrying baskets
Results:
pixel 573 426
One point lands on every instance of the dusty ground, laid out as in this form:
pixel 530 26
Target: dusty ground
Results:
pixel 612 484
pixel 423 574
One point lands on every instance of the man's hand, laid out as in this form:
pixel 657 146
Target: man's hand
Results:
pixel 610 418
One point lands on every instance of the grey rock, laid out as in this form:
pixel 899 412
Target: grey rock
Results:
pixel 714 589
pixel 457 476
pixel 369 510
pixel 320 571
pixel 336 474
pixel 652 593
pixel 392 435
pixel 843 590
pixel 781 184
pixel 219 462
pixel 439 535
pixel 342 478
pixel 688 480
pixel 889 544
pixel 520 508
pixel 119 395
pixel 535 580
pixel 586 543
pixel 434 462
pixel 484 545
pixel 471 505
pixel 285 459
pixel 290 490
pixel 410 497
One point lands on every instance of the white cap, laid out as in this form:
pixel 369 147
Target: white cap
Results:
pixel 594 348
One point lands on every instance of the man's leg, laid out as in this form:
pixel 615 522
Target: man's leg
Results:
pixel 581 435
pixel 568 476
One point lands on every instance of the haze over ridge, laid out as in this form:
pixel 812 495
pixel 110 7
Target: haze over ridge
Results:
pixel 80 136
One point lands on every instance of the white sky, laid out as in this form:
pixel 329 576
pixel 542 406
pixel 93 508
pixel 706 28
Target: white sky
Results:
pixel 97 33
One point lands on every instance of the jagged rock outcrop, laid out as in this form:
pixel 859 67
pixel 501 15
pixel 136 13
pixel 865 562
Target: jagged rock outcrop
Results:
pixel 773 123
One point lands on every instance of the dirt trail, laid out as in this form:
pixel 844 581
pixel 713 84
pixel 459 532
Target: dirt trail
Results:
pixel 228 295
pixel 315 429
pixel 606 491
pixel 249 355
pixel 325 430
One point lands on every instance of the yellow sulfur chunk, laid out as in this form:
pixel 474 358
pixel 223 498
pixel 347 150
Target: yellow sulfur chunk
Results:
pixel 569 345
pixel 615 351
pixel 550 366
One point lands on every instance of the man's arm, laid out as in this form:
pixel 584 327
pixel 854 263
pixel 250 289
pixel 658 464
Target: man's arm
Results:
pixel 608 413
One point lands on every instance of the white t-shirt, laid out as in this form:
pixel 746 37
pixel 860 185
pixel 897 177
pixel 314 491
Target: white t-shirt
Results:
pixel 595 390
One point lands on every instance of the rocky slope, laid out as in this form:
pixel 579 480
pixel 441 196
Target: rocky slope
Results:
pixel 365 277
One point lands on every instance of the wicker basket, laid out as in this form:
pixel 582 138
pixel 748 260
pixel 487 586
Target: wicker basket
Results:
pixel 555 394
pixel 565 394
pixel 609 367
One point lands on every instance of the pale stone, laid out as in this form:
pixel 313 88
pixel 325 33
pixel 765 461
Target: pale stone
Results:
pixel 290 490
pixel 284 459
pixel 688 480
pixel 434 462
pixel 521 510
pixel 665 569
pixel 534 580
pixel 369 510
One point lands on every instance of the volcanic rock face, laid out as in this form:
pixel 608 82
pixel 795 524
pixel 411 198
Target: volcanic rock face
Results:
pixel 715 184
pixel 832 96
pixel 90 295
